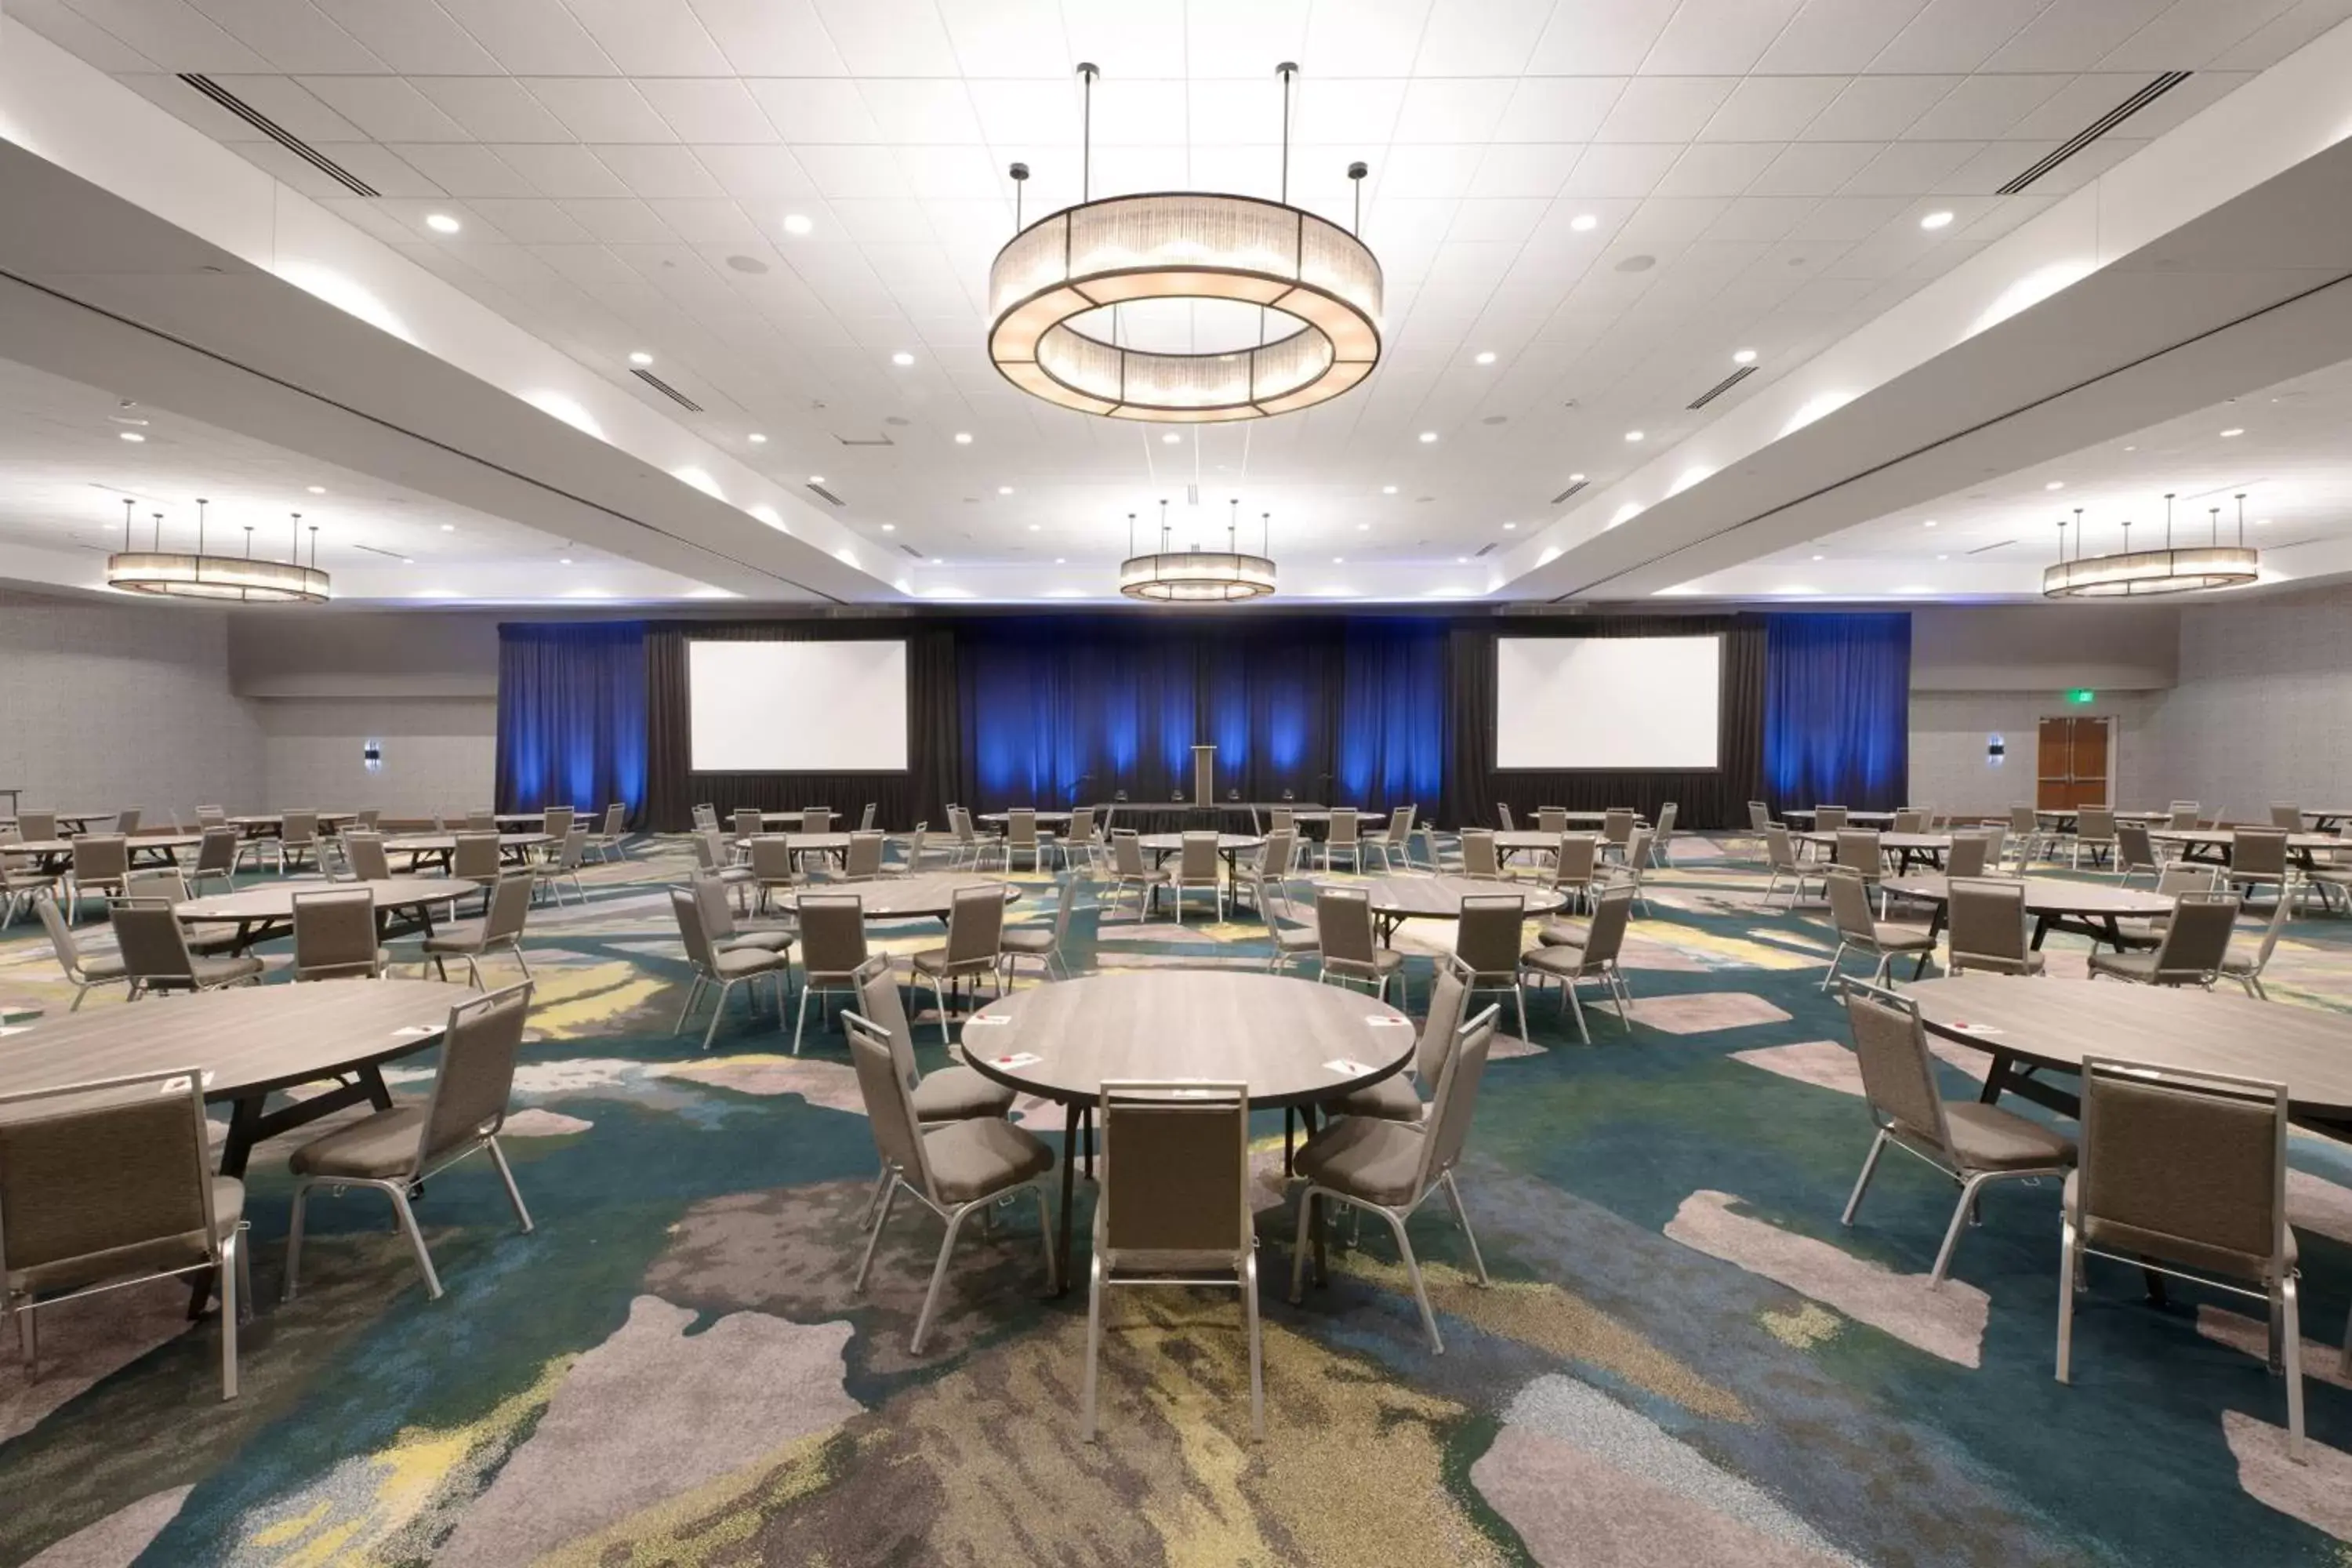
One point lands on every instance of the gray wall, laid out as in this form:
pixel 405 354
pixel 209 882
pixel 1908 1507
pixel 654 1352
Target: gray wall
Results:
pixel 2263 709
pixel 1950 730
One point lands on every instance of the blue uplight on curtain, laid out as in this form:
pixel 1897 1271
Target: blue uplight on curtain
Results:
pixel 1837 709
pixel 1390 740
pixel 571 716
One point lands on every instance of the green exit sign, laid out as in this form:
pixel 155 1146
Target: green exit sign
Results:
pixel 2082 694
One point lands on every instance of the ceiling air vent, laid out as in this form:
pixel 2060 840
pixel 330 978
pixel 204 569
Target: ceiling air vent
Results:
pixel 865 440
pixel 2096 129
pixel 912 551
pixel 1487 548
pixel 1570 491
pixel 387 554
pixel 1988 549
pixel 1720 387
pixel 830 498
pixel 667 390
pixel 278 134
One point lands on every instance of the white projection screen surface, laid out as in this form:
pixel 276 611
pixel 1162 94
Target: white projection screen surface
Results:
pixel 797 707
pixel 1649 703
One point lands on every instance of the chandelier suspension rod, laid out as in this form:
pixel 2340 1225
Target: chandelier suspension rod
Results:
pixel 1087 134
pixel 1285 70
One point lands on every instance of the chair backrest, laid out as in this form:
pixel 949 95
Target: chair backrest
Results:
pixel 1637 852
pixel 832 933
pixel 210 816
pixel 865 817
pixel 816 819
pixel 1343 919
pixel 1988 920
pixel 557 822
pixel 1898 1075
pixel 2187 1167
pixel 1910 820
pixel 1197 860
pixel 476 1078
pixel 126 821
pixel 1850 904
pixel 747 822
pixel 864 857
pixel 156 882
pixel 1828 818
pixel 101 857
pixel 976 924
pixel 1065 904
pixel 481 821
pixel 2133 846
pixel 1966 857
pixel 1399 829
pixel 2185 877
pixel 1579 858
pixel 1604 938
pixel 148 936
pixel 2286 815
pixel 1283 819
pixel 2184 813
pixel 1082 824
pixel 1127 853
pixel 2094 823
pixel 1551 819
pixel 1759 816
pixel 117 1179
pixel 772 860
pixel 879 1002
pixel 369 817
pixel 1996 835
pixel 1857 851
pixel 365 853
pixel 1183 1182
pixel 1778 847
pixel 1021 827
pixel 1478 856
pixel 1344 830
pixel 1663 834
pixel 710 898
pixel 2281 910
pixel 38 826
pixel 334 933
pixel 1448 1126
pixel 889 1101
pixel 2196 939
pixel 297 828
pixel 687 909
pixel 1503 816
pixel 707 853
pixel 2254 852
pixel 1449 999
pixel 706 815
pixel 510 904
pixel 1488 934
pixel 616 816
pixel 2025 821
pixel 476 857
pixel 53 920
pixel 1274 854
pixel 1616 824
pixel 576 848
pixel 960 824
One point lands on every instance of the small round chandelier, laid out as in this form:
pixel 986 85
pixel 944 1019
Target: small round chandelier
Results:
pixel 1056 288
pixel 1197 576
pixel 243 579
pixel 2131 573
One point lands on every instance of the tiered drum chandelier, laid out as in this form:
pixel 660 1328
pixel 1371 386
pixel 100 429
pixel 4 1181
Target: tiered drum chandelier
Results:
pixel 2176 568
pixel 203 575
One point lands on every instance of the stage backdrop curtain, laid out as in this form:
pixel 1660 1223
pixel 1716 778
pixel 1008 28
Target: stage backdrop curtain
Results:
pixel 1070 710
pixel 1837 715
pixel 571 717
pixel 1703 800
pixel 934 742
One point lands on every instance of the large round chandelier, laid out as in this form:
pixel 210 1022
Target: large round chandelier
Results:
pixel 2129 573
pixel 1197 576
pixel 201 575
pixel 1317 286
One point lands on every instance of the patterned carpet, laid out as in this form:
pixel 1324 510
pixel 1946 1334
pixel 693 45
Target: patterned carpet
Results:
pixel 1682 1358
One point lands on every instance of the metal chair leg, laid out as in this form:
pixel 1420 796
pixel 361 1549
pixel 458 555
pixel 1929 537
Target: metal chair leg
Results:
pixel 1093 1347
pixel 1461 1217
pixel 506 1174
pixel 1256 1351
pixel 231 1277
pixel 1952 1232
pixel 1862 1182
pixel 1412 1271
pixel 294 1241
pixel 939 1277
pixel 873 1232
pixel 416 1234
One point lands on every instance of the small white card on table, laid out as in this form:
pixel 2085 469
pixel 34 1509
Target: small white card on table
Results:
pixel 179 1085
pixel 411 1031
pixel 1346 1066
pixel 1977 1029
pixel 1017 1060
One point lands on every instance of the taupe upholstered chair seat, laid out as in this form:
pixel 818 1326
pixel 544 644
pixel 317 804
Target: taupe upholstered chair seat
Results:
pixel 740 963
pixel 1028 940
pixel 143 1257
pixel 1394 1098
pixel 2138 967
pixel 757 941
pixel 379 1147
pixel 1988 1138
pixel 1365 1157
pixel 103 968
pixel 466 936
pixel 1560 958
pixel 1564 933
pixel 225 968
pixel 958 1094
pixel 1398 1097
pixel 973 1158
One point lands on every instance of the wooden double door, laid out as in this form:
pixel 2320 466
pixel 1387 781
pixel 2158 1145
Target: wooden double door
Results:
pixel 2073 762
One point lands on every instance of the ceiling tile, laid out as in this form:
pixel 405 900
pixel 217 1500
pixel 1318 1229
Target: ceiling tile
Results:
pixel 770 38
pixel 1876 108
pixel 1347 111
pixel 816 109
pixel 1983 107
pixel 1771 108
pixel 2191 98
pixel 1993 166
pixel 1480 38
pixel 385 107
pixel 1558 108
pixel 390 173
pixel 1364 37
pixel 1609 37
pixel 1628 169
pixel 1953 36
pixel 945 172
pixel 2192 32
pixel 293 107
pixel 1008 38
pixel 297 172
pixel 176 97
pixel 1242 39
pixel 934 112
pixel 1663 108
pixel 1225 111
pixel 601 108
pixel 704 108
pixel 1019 115
pixel 529 222
pixel 1909 168
pixel 852 172
pixel 561 171
pixel 584 264
pixel 79 36
pixel 627 222
pixel 756 173
pixel 1413 173
pixel 1496 221
pixel 1839 37
pixel 1847 220
pixel 291 35
pixel 670 172
pixel 2076 104
pixel 415 37
pixel 465 169
pixel 1533 169
pixel 888 37
pixel 1717 168
pixel 2072 35
pixel 532 37
pixel 1449 109
pixel 1757 220
pixel 1717 36
pixel 174 34
pixel 706 222
pixel 651 37
pixel 493 108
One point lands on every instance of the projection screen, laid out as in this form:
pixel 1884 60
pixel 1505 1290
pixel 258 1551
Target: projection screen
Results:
pixel 1583 703
pixel 797 707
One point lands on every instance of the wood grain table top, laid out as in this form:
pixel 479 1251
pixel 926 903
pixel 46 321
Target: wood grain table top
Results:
pixel 137 841
pixel 1278 1034
pixel 446 843
pixel 1581 815
pixel 1913 841
pixel 1440 897
pixel 274 900
pixel 2060 1022
pixel 578 816
pixel 2229 836
pixel 248 1038
pixel 1810 813
pixel 1363 818
pixel 829 843
pixel 277 818
pixel 1510 840
pixel 1040 816
pixel 2048 895
pixel 1226 842
pixel 903 898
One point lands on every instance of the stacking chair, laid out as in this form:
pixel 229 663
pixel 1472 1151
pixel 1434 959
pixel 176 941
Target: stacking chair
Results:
pixel 718 919
pixel 1486 942
pixel 2257 855
pixel 705 816
pixel 1967 856
pixel 298 837
pixel 1343 921
pixel 1551 820
pixel 1576 868
pixel 1910 819
pixel 1022 838
pixel 1043 944
pixel 2095 830
pixel 951 1170
pixel 1175 1209
pixel 2179 880
pixel 1760 817
pixel 1130 870
pixel 1392 1168
pixel 2218 1218
pixel 556 821
pixel 1344 834
pixel 745 821
pixel 1397 1098
pixel 2246 969
pixel 2184 816
pixel 499 929
pixel 565 866
pixel 1828 818
pixel 1858 851
pixel 2136 852
pixel 816 819
pixel 1987 927
pixel 975 945
pixel 1394 843
pixel 39 826
pixel 370 818
pixel 833 950
pixel 710 855
pixel 210 816
pixel 1410 815
pixel 948 1094
pixel 1558 955
pixel 2286 815
pixel 335 935
pixel 1503 816
pixel 1858 931
pixel 775 868
pixel 1971 1144
pixel 1616 830
pixel 1197 868
pixel 864 860
pixel 364 854
pixel 1081 837
pixel 1282 819
pixel 473 858
pixel 156 956
pixel 865 817
pixel 1293 936
pixel 85 973
pixel 482 820
pixel 1663 835
pixel 395 1151
pixel 1780 856
pixel 165 882
pixel 2196 945
pixel 1636 867
pixel 2025 827
pixel 609 840
pixel 971 847
pixel 100 862
pixel 1478 856
pixel 109 1183
pixel 1996 839
pixel 23 882
pixel 725 968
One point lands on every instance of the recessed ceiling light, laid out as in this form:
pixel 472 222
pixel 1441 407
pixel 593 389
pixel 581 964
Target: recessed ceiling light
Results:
pixel 1744 356
pixel 1004 489
pixel 2261 522
pixel 797 223
pixel 963 437
pixel 639 356
pixel 939 559
pixel 1821 557
pixel 565 560
pixel 1338 560
pixel 442 222
pixel 1936 220
pixel 1633 434
pixel 889 528
pixel 1943 558
pixel 1461 560
pixel 131 435
pixel 2055 485
pixel 1388 490
pixel 1363 528
pixel 316 489
pixel 408 561
pixel 902 358
pixel 1171 440
pixel 1584 222
pixel 1509 526
pixel 1061 561
pixel 1576 479
pixel 758 439
pixel 1427 436
pixel 1930 522
pixel 1486 356
pixel 1034 527
pixel 448 528
pixel 817 479
pixel 2233 430
pixel 2131 449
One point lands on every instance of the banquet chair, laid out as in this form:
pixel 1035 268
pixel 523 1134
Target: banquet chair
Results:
pixel 39 826
pixel 210 816
pixel 2195 946
pixel 608 840
pixel 1760 817
pixel 85 974
pixel 1174 1209
pixel 1551 820
pixel 1969 1142
pixel 1343 921
pixel 1082 837
pixel 1394 843
pixel 1986 919
pixel 1576 868
pixel 1828 818
pixel 863 861
pixel 1344 831
pixel 816 819
pixel 1780 857
pixel 1022 838
pixel 745 823
pixel 725 968
pixel 2095 830
pixel 954 1169
pixel 475 858
pixel 215 856
pixel 1573 954
pixel 1486 942
pixel 1479 858
pixel 1293 936
pixel 833 950
pixel 1910 819
pixel 2184 816
pixel 865 817
pixel 975 945
pixel 107 1184
pixel 1398 1097
pixel 364 854
pixel 1636 867
pixel 166 882
pixel 25 883
pixel 1043 944
pixel 950 1094
pixel 1392 1168
pixel 1197 868
pixel 1859 931
pixel 710 855
pixel 1503 816
pixel 100 862
pixel 705 816
pixel 2247 969
pixel 1967 856
pixel 565 866
pixel 719 918
pixel 775 868
pixel 156 955
pixel 1128 870
pixel 396 1151
pixel 2136 852
pixel 482 820
pixel 1662 837
pixel 1616 829
pixel 499 929
pixel 2219 1219
pixel 556 821
pixel 335 935
pixel 2257 855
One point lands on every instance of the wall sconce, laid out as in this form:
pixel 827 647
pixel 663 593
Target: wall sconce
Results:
pixel 1995 750
pixel 371 755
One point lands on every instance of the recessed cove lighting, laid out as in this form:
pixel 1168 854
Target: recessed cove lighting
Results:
pixel 902 358
pixel 2233 430
pixel 963 437
pixel 757 440
pixel 2055 485
pixel 1486 356
pixel 442 222
pixel 1584 222
pixel 1427 436
pixel 639 356
pixel 797 223
pixel 1634 435
pixel 1935 220
pixel 1744 356
pixel 132 435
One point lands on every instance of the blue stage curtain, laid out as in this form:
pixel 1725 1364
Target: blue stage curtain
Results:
pixel 571 716
pixel 1391 734
pixel 1837 710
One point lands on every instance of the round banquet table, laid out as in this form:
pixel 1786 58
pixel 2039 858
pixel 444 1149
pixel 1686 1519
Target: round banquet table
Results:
pixel 2029 1024
pixel 1854 817
pixel 270 824
pixel 536 819
pixel 441 848
pixel 2220 844
pixel 2089 909
pixel 1510 841
pixel 1928 847
pixel 904 898
pixel 1400 899
pixel 1294 1042
pixel 263 911
pixel 1043 818
pixel 56 854
pixel 833 844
